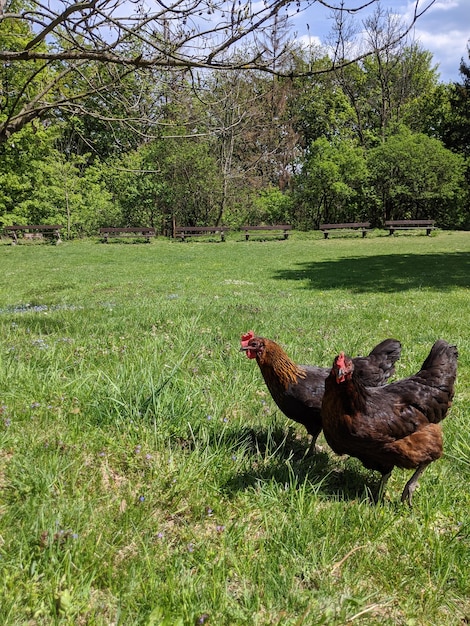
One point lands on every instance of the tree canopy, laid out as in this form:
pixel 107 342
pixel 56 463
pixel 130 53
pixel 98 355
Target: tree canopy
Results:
pixel 204 113
pixel 66 56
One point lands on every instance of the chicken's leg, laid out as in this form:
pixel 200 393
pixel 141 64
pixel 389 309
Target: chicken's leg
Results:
pixel 313 430
pixel 383 484
pixel 411 484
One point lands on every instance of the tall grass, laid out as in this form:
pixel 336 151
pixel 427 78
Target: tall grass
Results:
pixel 146 476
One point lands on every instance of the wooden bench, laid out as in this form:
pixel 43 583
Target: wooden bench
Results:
pixel 363 227
pixel 394 225
pixel 274 229
pixel 30 232
pixel 138 231
pixel 183 232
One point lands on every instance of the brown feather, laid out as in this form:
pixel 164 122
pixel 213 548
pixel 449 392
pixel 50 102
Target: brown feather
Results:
pixel 278 367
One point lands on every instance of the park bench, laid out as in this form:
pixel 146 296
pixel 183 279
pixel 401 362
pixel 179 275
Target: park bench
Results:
pixel 183 232
pixel 30 232
pixel 137 231
pixel 394 225
pixel 275 229
pixel 363 227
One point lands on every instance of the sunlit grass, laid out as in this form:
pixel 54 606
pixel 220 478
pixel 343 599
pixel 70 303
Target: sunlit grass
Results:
pixel 146 476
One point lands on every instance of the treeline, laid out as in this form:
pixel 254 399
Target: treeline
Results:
pixel 379 139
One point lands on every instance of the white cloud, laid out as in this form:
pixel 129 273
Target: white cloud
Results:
pixel 310 40
pixel 443 30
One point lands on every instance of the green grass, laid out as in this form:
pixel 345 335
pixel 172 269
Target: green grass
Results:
pixel 146 476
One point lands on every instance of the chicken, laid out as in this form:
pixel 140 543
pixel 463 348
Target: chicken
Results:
pixel 392 426
pixel 298 389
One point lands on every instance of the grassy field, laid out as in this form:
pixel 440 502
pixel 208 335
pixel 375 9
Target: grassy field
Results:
pixel 146 476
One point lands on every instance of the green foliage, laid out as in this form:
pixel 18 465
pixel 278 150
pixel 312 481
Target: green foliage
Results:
pixel 132 105
pixel 138 190
pixel 321 110
pixel 415 176
pixel 393 89
pixel 271 206
pixel 25 85
pixel 456 132
pixel 331 184
pixel 409 175
pixel 166 180
pixel 21 157
pixel 39 185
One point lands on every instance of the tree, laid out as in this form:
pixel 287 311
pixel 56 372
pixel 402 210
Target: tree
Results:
pixel 40 185
pixel 319 108
pixel 415 176
pixel 331 184
pixel 383 86
pixel 456 132
pixel 164 182
pixel 31 146
pixel 65 43
pixel 270 206
pixel 250 130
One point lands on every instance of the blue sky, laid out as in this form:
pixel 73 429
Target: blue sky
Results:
pixel 444 29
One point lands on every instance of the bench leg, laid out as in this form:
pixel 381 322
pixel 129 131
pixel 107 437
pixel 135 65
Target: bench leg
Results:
pixel 247 236
pixel 391 231
pixel 364 233
pixel 222 236
pixel 428 231
pixel 325 235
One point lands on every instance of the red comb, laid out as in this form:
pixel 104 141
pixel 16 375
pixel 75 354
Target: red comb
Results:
pixel 340 360
pixel 246 338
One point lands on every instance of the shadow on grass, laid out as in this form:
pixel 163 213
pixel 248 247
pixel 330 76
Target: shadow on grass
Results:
pixel 388 273
pixel 279 455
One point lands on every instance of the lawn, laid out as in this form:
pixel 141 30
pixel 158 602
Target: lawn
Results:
pixel 146 476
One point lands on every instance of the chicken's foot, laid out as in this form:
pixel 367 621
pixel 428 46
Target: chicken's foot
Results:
pixel 410 486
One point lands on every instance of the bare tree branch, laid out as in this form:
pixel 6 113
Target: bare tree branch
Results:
pixel 54 40
pixel 186 33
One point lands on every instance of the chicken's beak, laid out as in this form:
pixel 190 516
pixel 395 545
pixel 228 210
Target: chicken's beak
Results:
pixel 340 376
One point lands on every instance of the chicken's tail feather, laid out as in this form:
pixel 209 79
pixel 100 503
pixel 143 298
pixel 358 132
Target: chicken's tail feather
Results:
pixel 388 349
pixel 385 355
pixel 440 366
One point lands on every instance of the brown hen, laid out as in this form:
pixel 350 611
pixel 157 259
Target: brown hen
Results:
pixel 392 426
